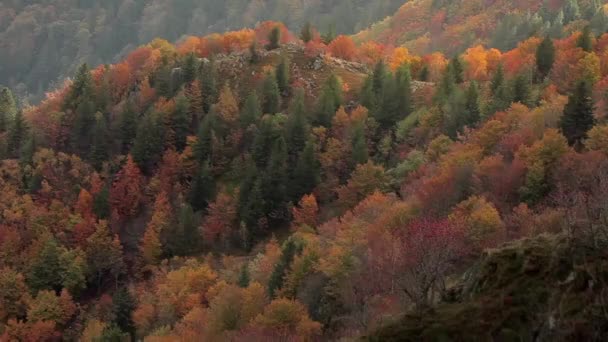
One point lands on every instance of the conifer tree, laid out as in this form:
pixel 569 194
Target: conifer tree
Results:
pixel 204 139
pixel 472 109
pixel 8 108
pixel 296 128
pixel 521 89
pixel 578 116
pixel 585 41
pixel 101 204
pixel 274 184
pixel 254 55
pixel 274 38
pixel 498 79
pixel 306 32
pixel 16 134
pixel 282 74
pixel 209 88
pixel 545 57
pixel 359 146
pixel 457 70
pixel 100 147
pixel 123 306
pixel 128 127
pixel 306 172
pixel 183 238
pixel 329 102
pixel 403 80
pixel 288 252
pixel 190 68
pixel 180 123
pixel 148 145
pixel 244 277
pixel 203 188
pixel 263 142
pixel 272 98
pixel 251 112
pixel 46 270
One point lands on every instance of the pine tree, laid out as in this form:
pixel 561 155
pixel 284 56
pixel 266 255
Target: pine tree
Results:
pixel 329 35
pixel 180 123
pixel 263 142
pixel 16 134
pixel 521 89
pixel 148 145
pixel 28 150
pixel 282 74
pixel 203 188
pixel 81 90
pixel 403 80
pixel 296 128
pixel 585 41
pixel 288 253
pixel 254 55
pixel 244 277
pixel 498 79
pixel 184 237
pixel 46 270
pixel 457 70
pixel 204 140
pixel 272 99
pixel 8 108
pixel 128 127
pixel 306 32
pixel 578 116
pixel 123 306
pixel 189 68
pixel 101 204
pixel 251 112
pixel 424 74
pixel 379 78
pixel 306 172
pixel 100 147
pixel 472 109
pixel 390 100
pixel 545 57
pixel 209 87
pixel 274 184
pixel 274 38
pixel 329 102
pixel 359 146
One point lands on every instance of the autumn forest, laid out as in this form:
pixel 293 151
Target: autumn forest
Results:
pixel 424 170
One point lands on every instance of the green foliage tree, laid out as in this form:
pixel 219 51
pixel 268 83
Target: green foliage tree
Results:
pixel 180 123
pixel 306 32
pixel 128 126
pixel 578 117
pixel 244 277
pixel 585 41
pixel 296 127
pixel 282 75
pixel 471 106
pixel 329 101
pixel 359 146
pixel 209 85
pixel 203 188
pixel 8 108
pixel 545 57
pixel 252 111
pixel 271 97
pixel 100 147
pixel 274 38
pixel 306 172
pixel 148 144
pixel 190 68
pixel 183 238
pixel 288 252
pixel 16 134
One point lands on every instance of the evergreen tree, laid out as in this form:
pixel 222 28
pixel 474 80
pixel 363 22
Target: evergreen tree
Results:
pixel 274 185
pixel 123 306
pixel 148 145
pixel 306 173
pixel 472 109
pixel 306 32
pixel 545 57
pixel 329 35
pixel 28 150
pixel 447 86
pixel 251 112
pixel 128 127
pixel 81 90
pixel 180 123
pixel 189 68
pixel 403 80
pixel 296 128
pixel 329 102
pixel 253 205
pixel 16 134
pixel 282 74
pixel 498 79
pixel 204 140
pixel 209 84
pixel 183 238
pixel 263 142
pixel 585 41
pixel 578 116
pixel 274 38
pixel 389 109
pixel 100 147
pixel 457 70
pixel 101 204
pixel 379 78
pixel 46 270
pixel 272 98
pixel 521 89
pixel 359 146
pixel 8 108
pixel 254 55
pixel 288 253
pixel 244 277
pixel 424 74
pixel 203 188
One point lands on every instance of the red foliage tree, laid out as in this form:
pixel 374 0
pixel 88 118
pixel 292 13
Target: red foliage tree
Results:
pixel 126 193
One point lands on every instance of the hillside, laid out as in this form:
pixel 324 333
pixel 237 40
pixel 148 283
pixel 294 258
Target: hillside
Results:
pixel 541 289
pixel 425 26
pixel 254 186
pixel 43 42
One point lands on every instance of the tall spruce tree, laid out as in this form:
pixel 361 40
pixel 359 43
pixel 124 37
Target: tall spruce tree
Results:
pixel 8 108
pixel 585 41
pixel 274 38
pixel 306 173
pixel 16 134
pixel 282 74
pixel 252 111
pixel 100 146
pixel 272 99
pixel 472 109
pixel 180 123
pixel 306 32
pixel 578 116
pixel 148 145
pixel 545 58
pixel 329 102
pixel 209 86
pixel 296 127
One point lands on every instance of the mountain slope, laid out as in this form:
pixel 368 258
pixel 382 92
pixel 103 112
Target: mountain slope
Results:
pixel 425 26
pixel 42 42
